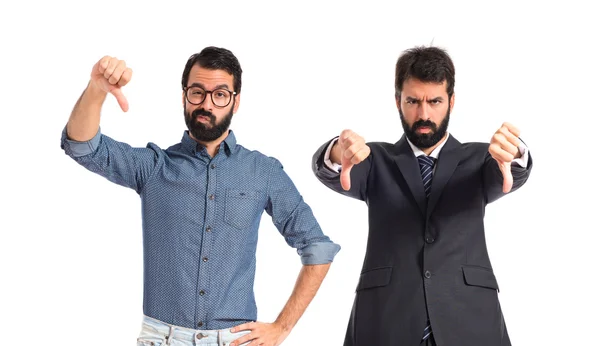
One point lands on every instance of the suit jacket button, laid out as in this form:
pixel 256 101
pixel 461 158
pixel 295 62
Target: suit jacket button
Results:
pixel 427 274
pixel 429 239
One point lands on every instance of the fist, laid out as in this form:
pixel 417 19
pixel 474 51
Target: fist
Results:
pixel 504 148
pixel 109 75
pixel 353 150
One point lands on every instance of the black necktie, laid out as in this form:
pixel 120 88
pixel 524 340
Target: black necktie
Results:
pixel 426 163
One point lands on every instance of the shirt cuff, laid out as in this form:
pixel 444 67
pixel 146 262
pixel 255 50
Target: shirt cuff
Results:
pixel 522 161
pixel 318 253
pixel 331 165
pixel 77 148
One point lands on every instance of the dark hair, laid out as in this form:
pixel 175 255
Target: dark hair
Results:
pixel 427 64
pixel 214 58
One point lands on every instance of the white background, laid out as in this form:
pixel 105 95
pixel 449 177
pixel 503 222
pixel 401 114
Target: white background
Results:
pixel 71 254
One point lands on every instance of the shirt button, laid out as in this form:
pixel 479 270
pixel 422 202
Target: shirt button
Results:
pixel 202 292
pixel 213 166
pixel 429 239
pixel 208 229
pixel 427 274
pixel 205 259
pixel 211 197
pixel 200 324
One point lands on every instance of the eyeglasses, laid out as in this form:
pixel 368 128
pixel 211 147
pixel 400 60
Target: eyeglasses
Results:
pixel 220 97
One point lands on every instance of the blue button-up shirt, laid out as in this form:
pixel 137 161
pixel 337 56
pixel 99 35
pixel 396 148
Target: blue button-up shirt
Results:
pixel 200 219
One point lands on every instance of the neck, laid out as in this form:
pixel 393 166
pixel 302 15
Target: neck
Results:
pixel 212 147
pixel 429 150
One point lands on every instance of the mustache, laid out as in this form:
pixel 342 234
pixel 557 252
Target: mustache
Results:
pixel 424 123
pixel 203 112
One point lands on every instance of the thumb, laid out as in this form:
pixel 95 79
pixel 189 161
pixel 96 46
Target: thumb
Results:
pixel 345 174
pixel 121 99
pixel 507 174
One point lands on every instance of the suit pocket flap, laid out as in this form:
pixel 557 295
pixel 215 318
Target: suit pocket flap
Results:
pixel 482 277
pixel 375 278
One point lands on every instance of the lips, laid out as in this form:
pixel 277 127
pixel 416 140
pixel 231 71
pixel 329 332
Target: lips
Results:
pixel 203 118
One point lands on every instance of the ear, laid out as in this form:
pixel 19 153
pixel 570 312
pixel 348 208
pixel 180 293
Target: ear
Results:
pixel 398 102
pixel 237 103
pixel 452 102
pixel 183 98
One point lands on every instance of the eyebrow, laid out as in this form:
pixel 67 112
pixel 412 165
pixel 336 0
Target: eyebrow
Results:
pixel 438 98
pixel 200 85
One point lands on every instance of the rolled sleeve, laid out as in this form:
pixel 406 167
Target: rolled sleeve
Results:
pixel 295 220
pixel 318 253
pixel 79 149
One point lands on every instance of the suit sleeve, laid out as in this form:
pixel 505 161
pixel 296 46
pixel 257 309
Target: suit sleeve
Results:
pixel 493 179
pixel 358 175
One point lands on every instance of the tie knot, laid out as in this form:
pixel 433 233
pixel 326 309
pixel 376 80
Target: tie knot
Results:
pixel 426 161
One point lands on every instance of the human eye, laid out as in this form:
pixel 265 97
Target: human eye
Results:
pixel 220 94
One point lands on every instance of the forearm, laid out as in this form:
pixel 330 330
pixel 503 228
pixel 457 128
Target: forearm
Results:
pixel 307 285
pixel 331 178
pixel 85 118
pixel 493 178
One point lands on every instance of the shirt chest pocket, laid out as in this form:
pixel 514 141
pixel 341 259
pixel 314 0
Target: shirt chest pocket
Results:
pixel 241 208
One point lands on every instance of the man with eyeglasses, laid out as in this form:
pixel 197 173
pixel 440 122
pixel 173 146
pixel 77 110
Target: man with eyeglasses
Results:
pixel 427 278
pixel 202 201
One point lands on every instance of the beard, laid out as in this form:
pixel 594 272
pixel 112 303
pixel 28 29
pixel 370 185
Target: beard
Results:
pixel 206 132
pixel 425 140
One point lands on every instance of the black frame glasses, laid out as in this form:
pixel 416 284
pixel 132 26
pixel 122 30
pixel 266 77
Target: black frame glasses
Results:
pixel 211 92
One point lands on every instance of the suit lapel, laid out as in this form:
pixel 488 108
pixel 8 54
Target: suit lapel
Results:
pixel 448 159
pixel 409 167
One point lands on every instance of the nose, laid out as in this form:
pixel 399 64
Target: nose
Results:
pixel 423 111
pixel 206 103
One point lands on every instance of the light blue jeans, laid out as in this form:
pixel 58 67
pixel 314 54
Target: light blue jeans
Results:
pixel 158 333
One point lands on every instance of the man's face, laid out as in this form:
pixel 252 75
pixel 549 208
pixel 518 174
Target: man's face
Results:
pixel 424 111
pixel 206 121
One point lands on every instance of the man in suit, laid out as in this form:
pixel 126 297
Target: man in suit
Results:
pixel 427 277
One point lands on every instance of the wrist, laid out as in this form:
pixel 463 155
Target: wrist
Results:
pixel 335 156
pixel 94 93
pixel 285 327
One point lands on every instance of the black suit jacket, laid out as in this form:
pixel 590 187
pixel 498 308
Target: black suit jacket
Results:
pixel 425 257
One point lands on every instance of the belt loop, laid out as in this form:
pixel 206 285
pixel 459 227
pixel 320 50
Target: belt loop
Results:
pixel 170 336
pixel 219 338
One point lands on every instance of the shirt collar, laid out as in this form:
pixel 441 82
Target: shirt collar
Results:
pixel 190 145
